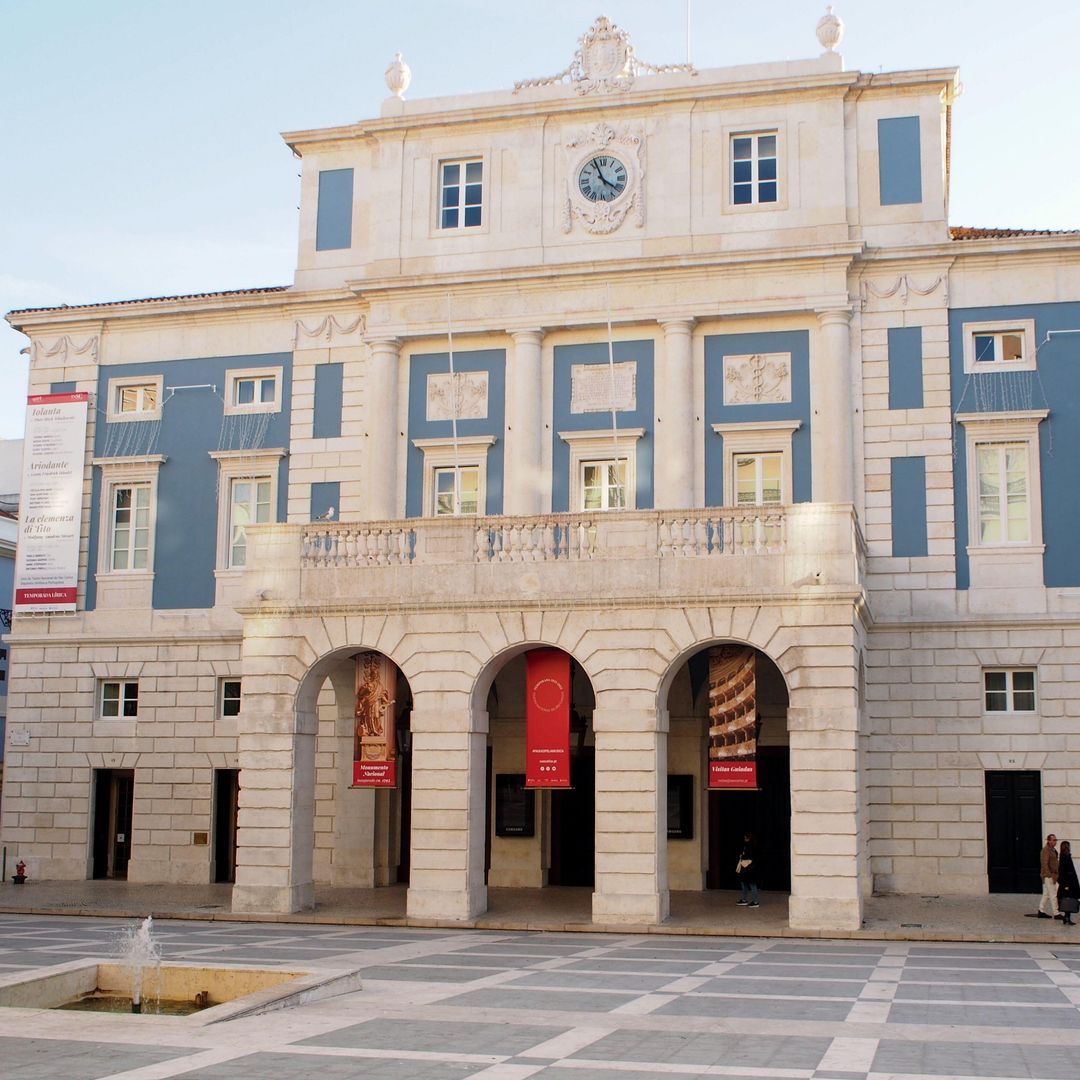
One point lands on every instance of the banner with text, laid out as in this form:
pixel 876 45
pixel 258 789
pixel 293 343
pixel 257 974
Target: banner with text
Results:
pixel 374 752
pixel 732 717
pixel 547 718
pixel 50 510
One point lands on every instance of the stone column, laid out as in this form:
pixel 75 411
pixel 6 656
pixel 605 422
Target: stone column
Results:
pixel 631 813
pixel 449 808
pixel 382 421
pixel 831 431
pixel 675 456
pixel 826 827
pixel 276 820
pixel 524 482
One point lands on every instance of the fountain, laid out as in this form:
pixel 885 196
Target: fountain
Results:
pixel 140 952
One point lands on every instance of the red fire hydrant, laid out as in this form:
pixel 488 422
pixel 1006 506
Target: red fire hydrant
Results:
pixel 20 872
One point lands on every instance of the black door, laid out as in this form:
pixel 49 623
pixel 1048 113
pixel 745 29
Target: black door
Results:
pixel 114 791
pixel 765 813
pixel 573 830
pixel 226 802
pixel 1013 831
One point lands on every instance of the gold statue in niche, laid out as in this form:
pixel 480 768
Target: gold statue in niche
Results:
pixel 376 683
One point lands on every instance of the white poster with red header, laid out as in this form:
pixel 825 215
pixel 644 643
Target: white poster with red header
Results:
pixel 732 717
pixel 50 504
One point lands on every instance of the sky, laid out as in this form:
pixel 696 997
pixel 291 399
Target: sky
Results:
pixel 142 149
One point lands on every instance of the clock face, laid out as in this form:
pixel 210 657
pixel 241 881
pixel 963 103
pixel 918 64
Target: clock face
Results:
pixel 602 178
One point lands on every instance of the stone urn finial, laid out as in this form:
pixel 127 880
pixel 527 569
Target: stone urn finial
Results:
pixel 830 29
pixel 398 76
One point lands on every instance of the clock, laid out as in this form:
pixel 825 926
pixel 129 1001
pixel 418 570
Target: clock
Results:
pixel 602 178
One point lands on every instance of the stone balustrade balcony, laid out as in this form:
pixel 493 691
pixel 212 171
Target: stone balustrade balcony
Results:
pixel 602 554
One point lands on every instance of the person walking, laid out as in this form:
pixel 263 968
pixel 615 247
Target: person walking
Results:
pixel 747 871
pixel 1068 893
pixel 1048 871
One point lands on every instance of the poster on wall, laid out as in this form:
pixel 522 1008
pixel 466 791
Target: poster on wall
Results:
pixel 732 717
pixel 50 512
pixel 374 752
pixel 547 718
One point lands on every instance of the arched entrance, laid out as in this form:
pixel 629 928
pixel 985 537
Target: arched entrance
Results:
pixel 744 705
pixel 537 836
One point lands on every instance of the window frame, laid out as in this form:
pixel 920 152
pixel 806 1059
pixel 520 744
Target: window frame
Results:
pixel 235 376
pixel 470 451
pixel 236 465
pixel 119 473
pixel 754 438
pixel 590 447
pixel 755 131
pixel 462 160
pixel 1010 691
pixel 113 413
pixel 223 683
pixel 122 699
pixel 997 327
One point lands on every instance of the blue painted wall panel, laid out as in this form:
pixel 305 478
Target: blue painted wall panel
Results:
pixel 333 226
pixel 909 528
pixel 493 361
pixel 905 367
pixel 566 356
pixel 899 160
pixel 62 388
pixel 329 382
pixel 795 342
pixel 323 496
pixel 1055 386
pixel 192 425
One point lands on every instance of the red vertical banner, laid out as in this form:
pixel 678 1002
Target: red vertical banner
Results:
pixel 732 717
pixel 547 718
pixel 373 745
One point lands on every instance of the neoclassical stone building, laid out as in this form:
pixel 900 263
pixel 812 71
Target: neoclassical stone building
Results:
pixel 632 363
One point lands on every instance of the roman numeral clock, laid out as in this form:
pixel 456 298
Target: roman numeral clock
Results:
pixel 605 179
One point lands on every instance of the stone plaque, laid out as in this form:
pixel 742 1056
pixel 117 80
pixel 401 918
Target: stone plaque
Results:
pixel 760 379
pixel 467 400
pixel 591 387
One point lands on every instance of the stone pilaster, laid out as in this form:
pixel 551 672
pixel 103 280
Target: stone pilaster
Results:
pixel 382 420
pixel 631 820
pixel 830 379
pixel 675 452
pixel 524 387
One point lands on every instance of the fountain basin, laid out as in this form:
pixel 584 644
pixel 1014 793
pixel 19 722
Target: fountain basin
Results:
pixel 231 991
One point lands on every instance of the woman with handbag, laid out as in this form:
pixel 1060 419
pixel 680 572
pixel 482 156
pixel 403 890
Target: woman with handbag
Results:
pixel 1068 885
pixel 746 871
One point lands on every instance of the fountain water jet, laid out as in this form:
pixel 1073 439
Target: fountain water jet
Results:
pixel 138 952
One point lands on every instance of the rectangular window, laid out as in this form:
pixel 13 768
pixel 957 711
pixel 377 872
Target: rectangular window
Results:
pixel 1004 346
pixel 249 504
pixel 134 398
pixel 759 479
pixel 603 484
pixel 140 397
pixel 1002 478
pixel 457 490
pixel 999 346
pixel 119 699
pixel 1010 690
pixel 260 390
pixel 253 391
pixel 230 697
pixel 754 169
pixel 129 544
pixel 461 194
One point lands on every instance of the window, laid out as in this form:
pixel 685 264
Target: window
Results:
pixel 247 495
pixel 134 399
pixel 603 468
pixel 758 479
pixel 1004 507
pixel 461 194
pixel 119 699
pixel 1011 690
pixel 254 390
pixel 129 527
pixel 754 168
pixel 457 489
pixel 249 504
pixel 230 697
pixel 999 346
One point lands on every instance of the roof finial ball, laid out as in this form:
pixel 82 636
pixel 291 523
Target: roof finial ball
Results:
pixel 398 76
pixel 830 29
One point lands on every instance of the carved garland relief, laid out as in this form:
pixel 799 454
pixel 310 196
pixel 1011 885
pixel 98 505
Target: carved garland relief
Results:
pixel 760 379
pixel 464 399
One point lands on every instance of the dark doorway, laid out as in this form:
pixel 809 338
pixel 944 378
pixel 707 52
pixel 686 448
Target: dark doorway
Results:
pixel 573 832
pixel 226 806
pixel 1013 831
pixel 404 764
pixel 114 791
pixel 766 813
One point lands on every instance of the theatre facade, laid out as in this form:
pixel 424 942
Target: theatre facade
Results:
pixel 638 459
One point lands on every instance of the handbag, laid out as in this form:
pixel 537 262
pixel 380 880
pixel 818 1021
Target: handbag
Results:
pixel 741 865
pixel 1070 905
